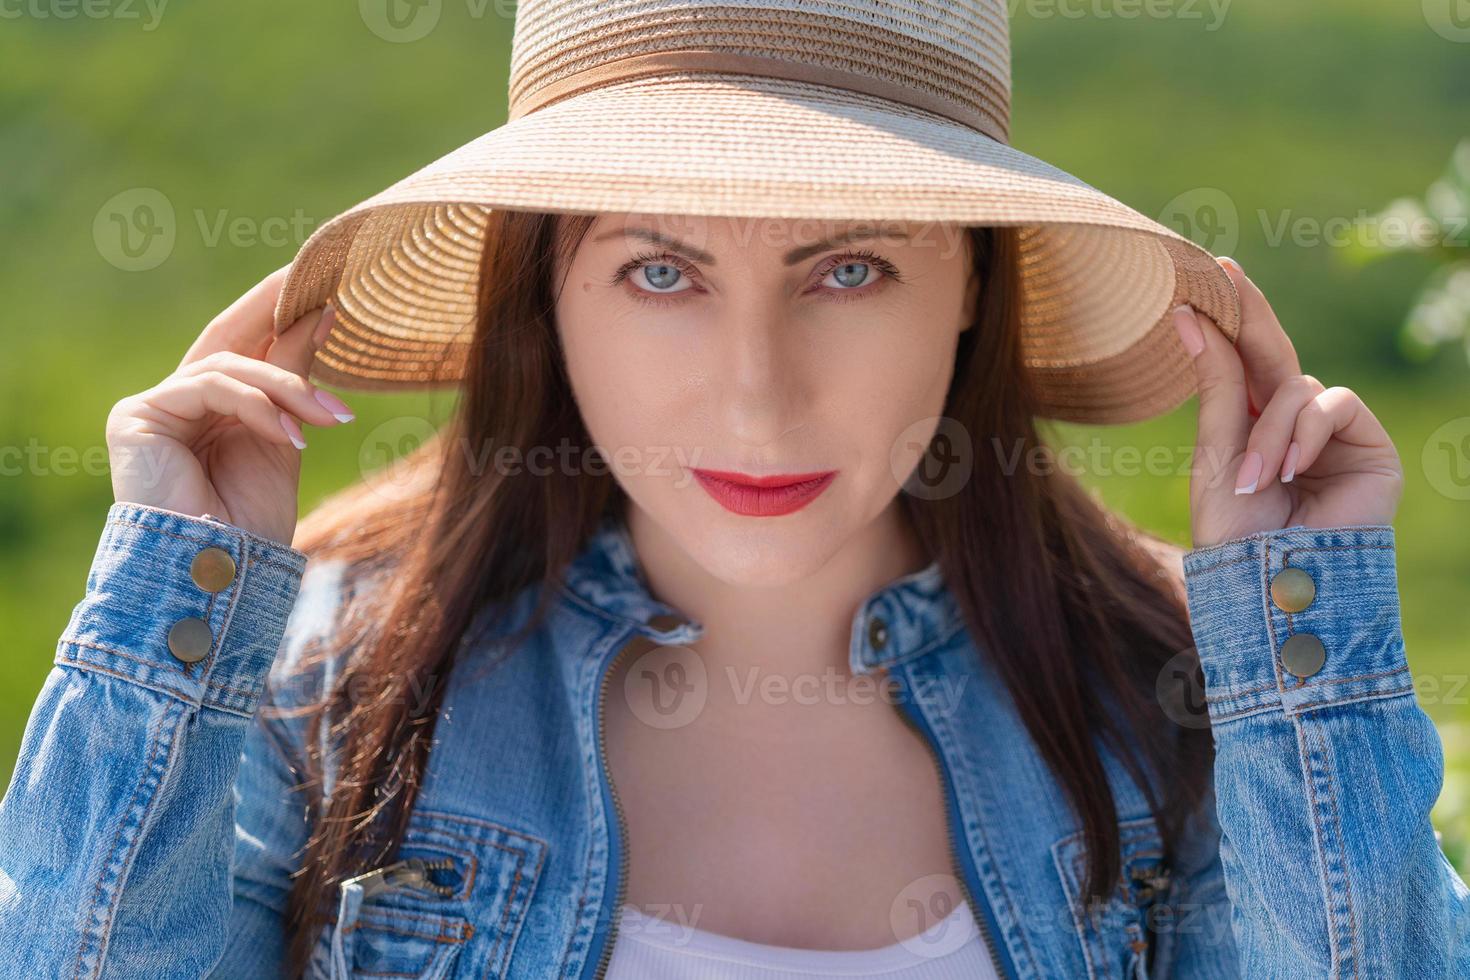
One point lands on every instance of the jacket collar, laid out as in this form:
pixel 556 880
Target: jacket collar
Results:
pixel 901 620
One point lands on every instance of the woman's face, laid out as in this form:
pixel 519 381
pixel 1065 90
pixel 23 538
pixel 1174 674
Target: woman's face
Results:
pixel 765 348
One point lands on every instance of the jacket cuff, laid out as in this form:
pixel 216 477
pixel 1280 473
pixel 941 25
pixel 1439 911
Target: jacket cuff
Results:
pixel 144 581
pixel 1260 651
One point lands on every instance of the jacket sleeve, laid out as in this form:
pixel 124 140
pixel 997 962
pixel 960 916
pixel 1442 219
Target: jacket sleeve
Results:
pixel 120 852
pixel 1326 766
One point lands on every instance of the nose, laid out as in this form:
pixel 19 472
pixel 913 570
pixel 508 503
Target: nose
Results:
pixel 761 375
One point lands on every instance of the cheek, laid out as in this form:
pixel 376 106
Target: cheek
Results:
pixel 887 379
pixel 882 387
pixel 909 411
pixel 632 392
pixel 890 360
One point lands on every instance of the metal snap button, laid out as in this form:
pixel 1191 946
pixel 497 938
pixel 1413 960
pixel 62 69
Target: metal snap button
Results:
pixel 1293 590
pixel 1303 654
pixel 189 639
pixel 212 569
pixel 877 633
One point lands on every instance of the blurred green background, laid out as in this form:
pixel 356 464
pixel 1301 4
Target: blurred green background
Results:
pixel 254 122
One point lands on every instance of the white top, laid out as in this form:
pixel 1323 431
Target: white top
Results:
pixel 665 948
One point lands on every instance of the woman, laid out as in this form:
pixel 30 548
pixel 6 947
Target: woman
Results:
pixel 697 642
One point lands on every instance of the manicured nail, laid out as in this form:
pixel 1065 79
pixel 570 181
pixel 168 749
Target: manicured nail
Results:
pixel 335 405
pixel 324 326
pixel 1288 469
pixel 1190 334
pixel 1227 260
pixel 1250 473
pixel 293 430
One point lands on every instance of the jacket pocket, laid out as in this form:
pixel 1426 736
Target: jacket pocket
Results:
pixel 374 937
pixel 1115 937
pixel 451 901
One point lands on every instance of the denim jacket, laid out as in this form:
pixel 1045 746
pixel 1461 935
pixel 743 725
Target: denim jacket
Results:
pixel 149 830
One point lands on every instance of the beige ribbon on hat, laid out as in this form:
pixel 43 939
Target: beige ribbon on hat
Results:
pixel 712 60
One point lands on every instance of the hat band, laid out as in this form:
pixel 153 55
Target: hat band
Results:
pixel 710 60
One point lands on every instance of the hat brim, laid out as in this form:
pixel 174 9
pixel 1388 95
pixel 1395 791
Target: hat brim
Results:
pixel 1098 277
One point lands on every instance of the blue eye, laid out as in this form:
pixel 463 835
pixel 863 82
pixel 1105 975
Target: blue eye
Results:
pixel 851 275
pixel 659 271
pixel 661 277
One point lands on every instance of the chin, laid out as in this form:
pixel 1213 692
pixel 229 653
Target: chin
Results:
pixel 762 552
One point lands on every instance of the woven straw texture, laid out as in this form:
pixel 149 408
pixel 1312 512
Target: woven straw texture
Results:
pixel 834 111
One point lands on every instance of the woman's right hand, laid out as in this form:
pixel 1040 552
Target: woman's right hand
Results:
pixel 220 435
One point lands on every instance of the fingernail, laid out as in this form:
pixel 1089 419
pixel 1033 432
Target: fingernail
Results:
pixel 1250 473
pixel 1190 334
pixel 323 327
pixel 1288 469
pixel 335 405
pixel 293 430
pixel 1227 260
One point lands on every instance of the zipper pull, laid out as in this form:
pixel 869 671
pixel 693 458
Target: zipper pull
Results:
pixel 409 872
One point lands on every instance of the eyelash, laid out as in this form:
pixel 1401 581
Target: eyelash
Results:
pixel 862 255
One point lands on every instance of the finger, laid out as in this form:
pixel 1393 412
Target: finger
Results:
pixel 286 388
pixel 1265 349
pixel 1336 412
pixel 1272 433
pixel 195 398
pixel 295 348
pixel 245 325
pixel 1224 421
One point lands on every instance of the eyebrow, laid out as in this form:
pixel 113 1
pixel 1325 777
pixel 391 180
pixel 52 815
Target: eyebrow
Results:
pixel 791 258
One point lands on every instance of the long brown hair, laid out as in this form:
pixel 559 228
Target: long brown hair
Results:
pixel 1071 602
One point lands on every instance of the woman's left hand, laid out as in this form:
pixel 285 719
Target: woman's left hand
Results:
pixel 1275 448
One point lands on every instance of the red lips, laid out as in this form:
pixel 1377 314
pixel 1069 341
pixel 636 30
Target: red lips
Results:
pixel 763 496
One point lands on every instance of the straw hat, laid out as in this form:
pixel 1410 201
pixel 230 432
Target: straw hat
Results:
pixel 835 110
